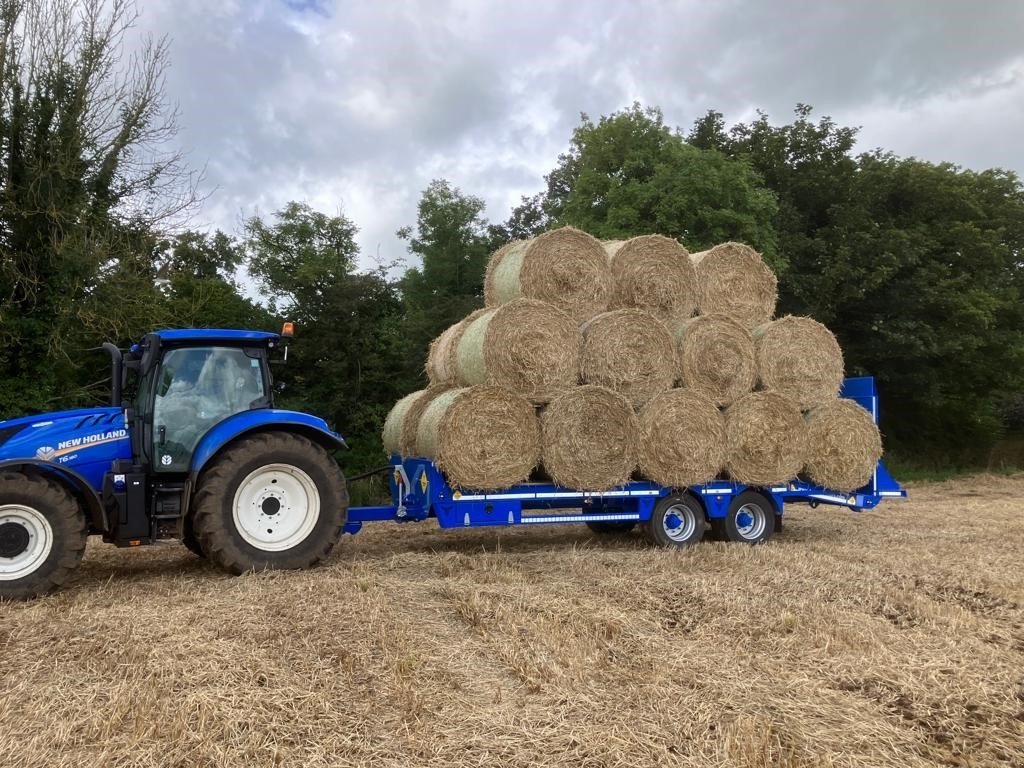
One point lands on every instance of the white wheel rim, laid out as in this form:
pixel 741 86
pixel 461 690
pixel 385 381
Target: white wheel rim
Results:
pixel 751 521
pixel 276 507
pixel 40 541
pixel 679 522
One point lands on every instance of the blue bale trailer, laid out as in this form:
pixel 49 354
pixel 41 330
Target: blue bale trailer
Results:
pixel 668 516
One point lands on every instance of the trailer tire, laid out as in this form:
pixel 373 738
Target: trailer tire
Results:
pixel 677 521
pixel 611 527
pixel 42 535
pixel 275 500
pixel 750 519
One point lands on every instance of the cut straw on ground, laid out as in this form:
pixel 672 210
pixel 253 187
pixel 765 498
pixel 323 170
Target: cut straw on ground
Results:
pixel 889 639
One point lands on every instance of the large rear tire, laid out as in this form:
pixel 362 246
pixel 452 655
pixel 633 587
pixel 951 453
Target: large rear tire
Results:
pixel 42 535
pixel 271 501
pixel 189 538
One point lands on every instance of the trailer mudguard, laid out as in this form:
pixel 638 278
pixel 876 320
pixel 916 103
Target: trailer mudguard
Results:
pixel 263 420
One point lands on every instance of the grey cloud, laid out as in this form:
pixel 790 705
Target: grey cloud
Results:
pixel 359 105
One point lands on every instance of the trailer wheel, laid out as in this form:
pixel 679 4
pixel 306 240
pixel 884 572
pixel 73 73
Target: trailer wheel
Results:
pixel 611 527
pixel 42 535
pixel 677 521
pixel 750 519
pixel 272 501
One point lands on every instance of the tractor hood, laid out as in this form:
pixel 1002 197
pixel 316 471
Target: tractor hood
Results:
pixel 86 440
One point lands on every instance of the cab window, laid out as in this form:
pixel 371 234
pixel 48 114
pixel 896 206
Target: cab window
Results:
pixel 196 388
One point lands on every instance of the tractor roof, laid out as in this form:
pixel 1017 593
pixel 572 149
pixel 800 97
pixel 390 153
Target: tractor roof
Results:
pixel 185 335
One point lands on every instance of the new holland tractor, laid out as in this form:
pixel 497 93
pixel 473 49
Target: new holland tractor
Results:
pixel 199 454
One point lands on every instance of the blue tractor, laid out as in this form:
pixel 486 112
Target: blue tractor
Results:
pixel 198 453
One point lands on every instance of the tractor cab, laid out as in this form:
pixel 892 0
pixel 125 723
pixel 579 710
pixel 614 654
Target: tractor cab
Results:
pixel 187 382
pixel 191 447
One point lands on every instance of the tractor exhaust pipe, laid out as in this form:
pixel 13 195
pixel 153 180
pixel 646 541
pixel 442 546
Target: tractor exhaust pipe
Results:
pixel 116 375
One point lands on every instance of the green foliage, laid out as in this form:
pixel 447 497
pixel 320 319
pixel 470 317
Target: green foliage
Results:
pixel 453 243
pixel 301 257
pixel 197 271
pixel 916 267
pixel 82 186
pixel 342 366
pixel 630 174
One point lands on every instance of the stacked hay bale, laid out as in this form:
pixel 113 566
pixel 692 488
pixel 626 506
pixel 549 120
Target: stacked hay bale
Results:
pixel 601 362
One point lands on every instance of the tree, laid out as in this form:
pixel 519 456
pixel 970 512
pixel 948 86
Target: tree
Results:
pixel 453 242
pixel 342 365
pixel 630 174
pixel 84 182
pixel 197 273
pixel 808 165
pixel 916 267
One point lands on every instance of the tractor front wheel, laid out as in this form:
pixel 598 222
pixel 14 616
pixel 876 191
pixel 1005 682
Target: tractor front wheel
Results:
pixel 271 501
pixel 42 535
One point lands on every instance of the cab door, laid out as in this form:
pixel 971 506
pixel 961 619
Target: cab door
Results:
pixel 194 389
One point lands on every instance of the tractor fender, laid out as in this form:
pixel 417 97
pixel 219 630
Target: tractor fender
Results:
pixel 264 420
pixel 76 484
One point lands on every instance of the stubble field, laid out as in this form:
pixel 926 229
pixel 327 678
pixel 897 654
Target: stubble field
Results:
pixel 890 638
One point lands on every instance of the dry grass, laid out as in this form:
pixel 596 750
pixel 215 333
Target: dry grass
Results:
pixel 891 638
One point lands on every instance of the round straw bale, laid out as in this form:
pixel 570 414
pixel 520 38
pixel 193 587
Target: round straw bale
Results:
pixel 402 422
pixel 392 435
pixel 528 346
pixel 492 266
pixel 765 437
pixel 654 273
pixel 482 438
pixel 682 439
pixel 732 279
pixel 590 439
pixel 565 267
pixel 411 422
pixel 440 365
pixel 843 445
pixel 630 351
pixel 801 358
pixel 716 357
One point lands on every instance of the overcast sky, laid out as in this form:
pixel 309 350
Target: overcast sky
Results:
pixel 356 106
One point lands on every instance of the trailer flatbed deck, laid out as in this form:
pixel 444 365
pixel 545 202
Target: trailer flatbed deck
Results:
pixel 739 512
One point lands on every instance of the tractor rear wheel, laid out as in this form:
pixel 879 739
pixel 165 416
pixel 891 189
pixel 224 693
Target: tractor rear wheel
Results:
pixel 42 535
pixel 275 500
pixel 189 538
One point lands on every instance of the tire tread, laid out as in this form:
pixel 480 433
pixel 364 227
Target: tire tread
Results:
pixel 215 538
